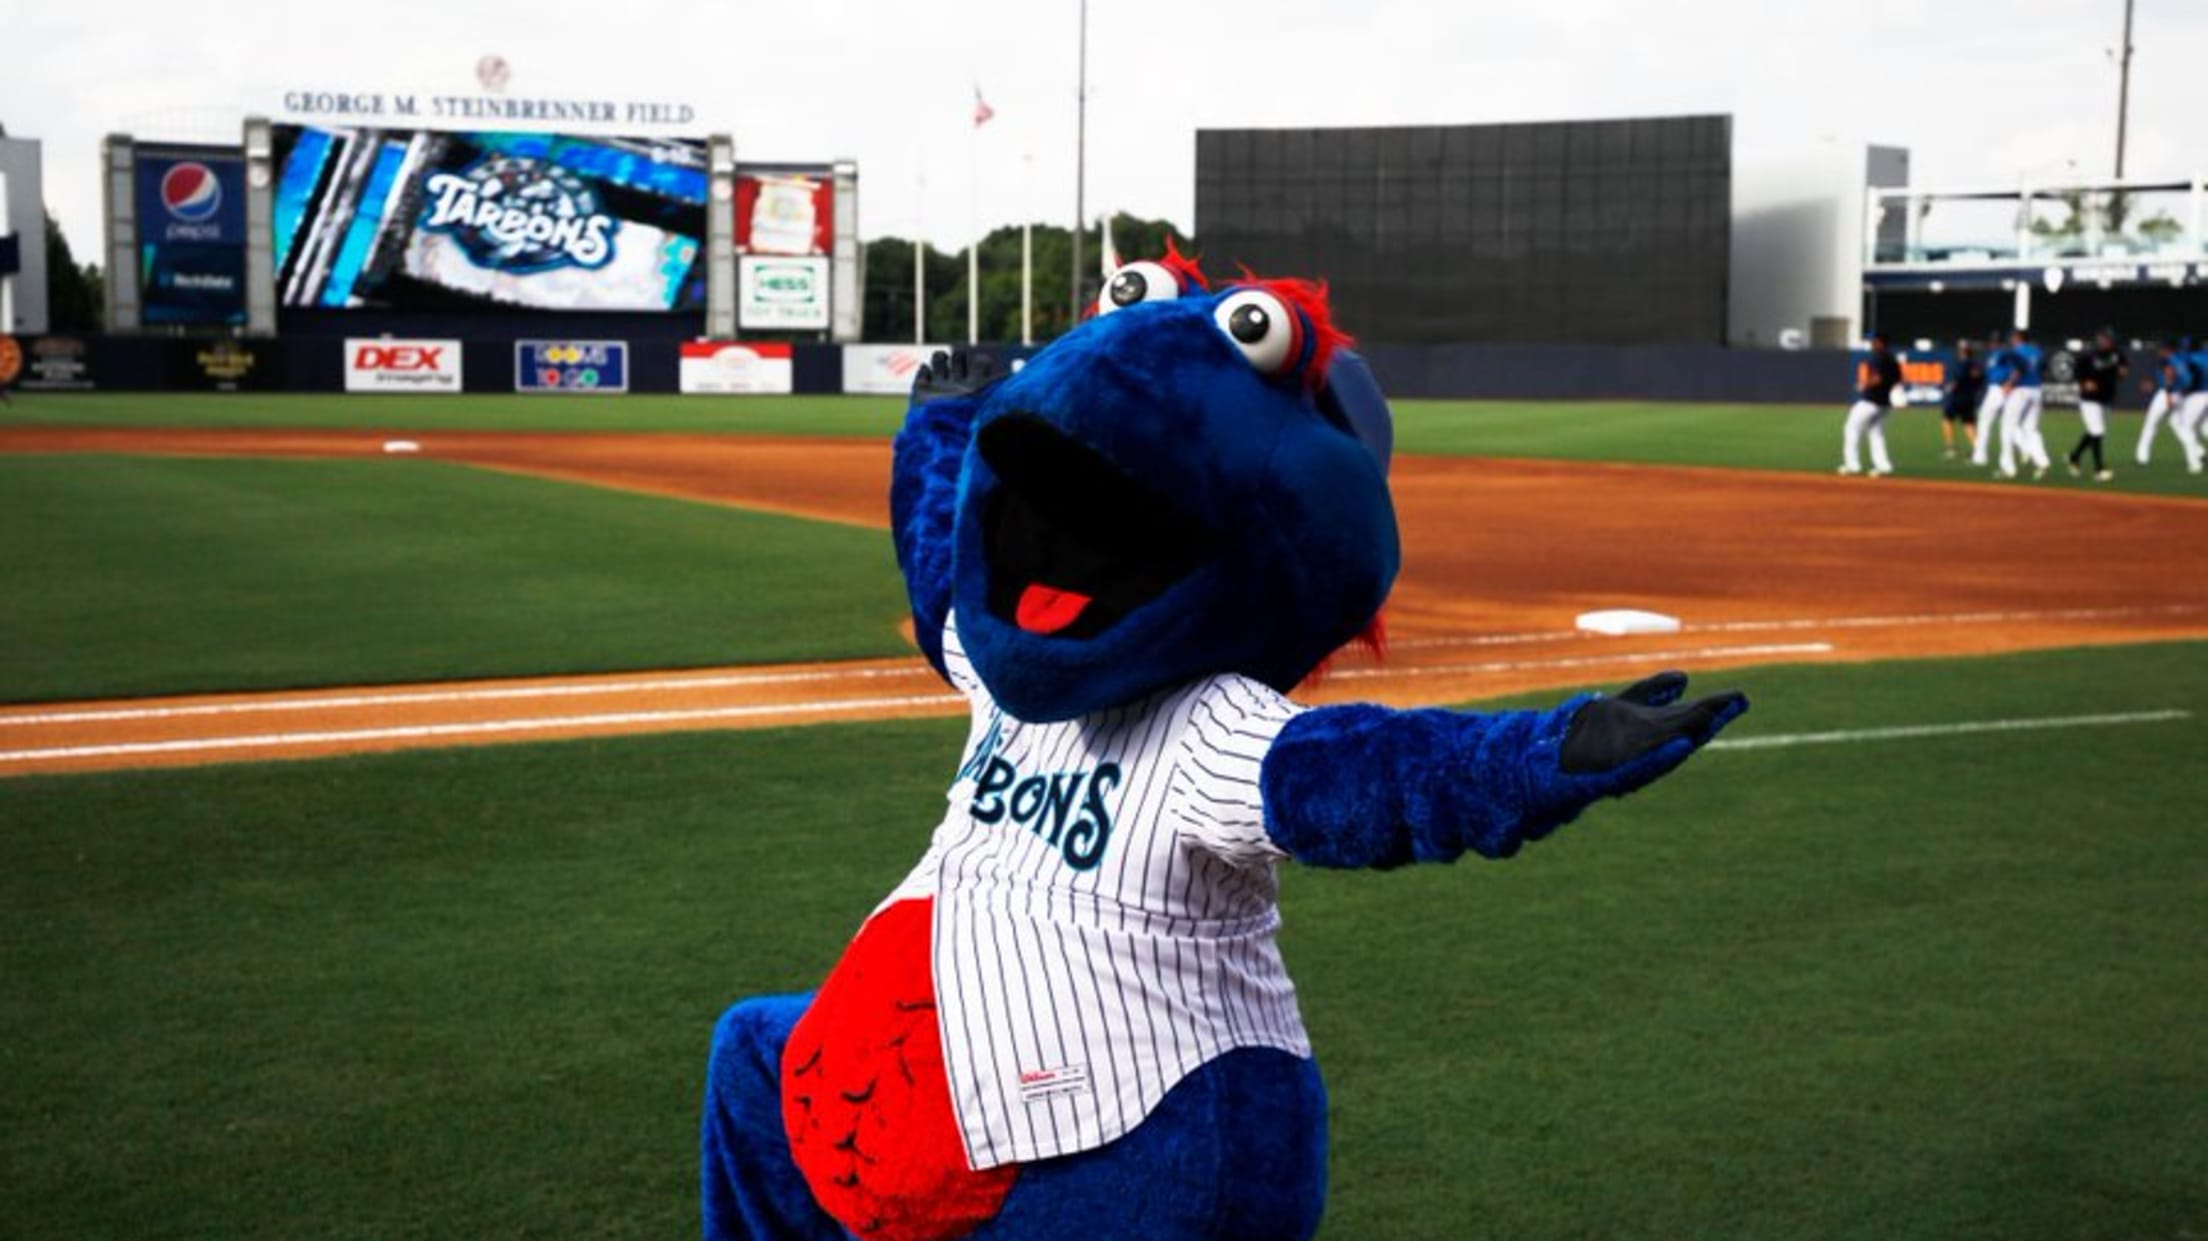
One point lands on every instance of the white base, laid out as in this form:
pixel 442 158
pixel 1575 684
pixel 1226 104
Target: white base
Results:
pixel 1619 622
pixel 400 446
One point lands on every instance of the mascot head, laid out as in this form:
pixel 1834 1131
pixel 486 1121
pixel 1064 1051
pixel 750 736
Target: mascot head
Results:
pixel 1191 482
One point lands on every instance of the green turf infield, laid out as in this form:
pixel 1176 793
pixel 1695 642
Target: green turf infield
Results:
pixel 1941 987
pixel 145 575
pixel 1771 437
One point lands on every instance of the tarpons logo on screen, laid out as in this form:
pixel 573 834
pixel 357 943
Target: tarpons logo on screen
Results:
pixel 517 214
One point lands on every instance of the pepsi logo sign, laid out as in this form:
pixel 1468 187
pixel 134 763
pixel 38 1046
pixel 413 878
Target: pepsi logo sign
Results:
pixel 191 192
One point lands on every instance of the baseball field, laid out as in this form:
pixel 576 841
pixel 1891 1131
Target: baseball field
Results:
pixel 383 830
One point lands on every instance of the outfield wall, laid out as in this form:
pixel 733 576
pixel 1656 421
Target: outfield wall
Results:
pixel 315 363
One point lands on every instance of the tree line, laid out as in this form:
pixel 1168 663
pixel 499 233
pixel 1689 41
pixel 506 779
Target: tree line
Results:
pixel 889 291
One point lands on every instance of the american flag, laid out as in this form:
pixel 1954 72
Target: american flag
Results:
pixel 983 113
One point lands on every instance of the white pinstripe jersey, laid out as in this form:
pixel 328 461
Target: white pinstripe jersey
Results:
pixel 1105 911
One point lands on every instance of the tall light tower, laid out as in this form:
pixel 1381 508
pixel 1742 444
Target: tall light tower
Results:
pixel 1080 169
pixel 2123 90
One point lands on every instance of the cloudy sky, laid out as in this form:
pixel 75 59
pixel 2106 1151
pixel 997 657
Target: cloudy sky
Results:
pixel 1982 91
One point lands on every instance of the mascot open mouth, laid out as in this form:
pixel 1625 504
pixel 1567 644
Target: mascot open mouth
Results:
pixel 1073 543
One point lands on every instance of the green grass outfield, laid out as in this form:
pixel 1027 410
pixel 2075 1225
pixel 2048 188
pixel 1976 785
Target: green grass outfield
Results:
pixel 146 575
pixel 1950 986
pixel 1774 437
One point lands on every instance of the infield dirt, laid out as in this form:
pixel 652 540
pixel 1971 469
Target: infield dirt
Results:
pixel 1499 556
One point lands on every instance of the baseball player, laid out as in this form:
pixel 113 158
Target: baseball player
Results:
pixel 2194 411
pixel 1966 389
pixel 2167 382
pixel 2000 367
pixel 2020 409
pixel 2100 381
pixel 1874 401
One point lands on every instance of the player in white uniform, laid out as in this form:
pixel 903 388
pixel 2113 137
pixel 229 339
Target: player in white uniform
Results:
pixel 2020 410
pixel 2000 367
pixel 2192 416
pixel 2169 393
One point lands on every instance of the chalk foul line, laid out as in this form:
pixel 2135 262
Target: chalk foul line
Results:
pixel 423 732
pixel 1585 661
pixel 1776 741
pixel 323 700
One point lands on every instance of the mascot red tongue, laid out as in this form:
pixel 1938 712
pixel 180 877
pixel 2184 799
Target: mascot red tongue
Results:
pixel 1047 609
pixel 1071 1019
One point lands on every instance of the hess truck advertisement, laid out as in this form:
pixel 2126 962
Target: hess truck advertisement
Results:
pixel 387 365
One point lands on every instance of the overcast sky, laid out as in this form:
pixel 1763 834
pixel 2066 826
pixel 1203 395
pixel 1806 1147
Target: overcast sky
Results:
pixel 1982 91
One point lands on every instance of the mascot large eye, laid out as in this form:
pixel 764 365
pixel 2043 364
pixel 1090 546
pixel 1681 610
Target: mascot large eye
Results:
pixel 1137 282
pixel 1263 327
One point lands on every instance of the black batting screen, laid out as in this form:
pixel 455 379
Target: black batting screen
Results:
pixel 1580 232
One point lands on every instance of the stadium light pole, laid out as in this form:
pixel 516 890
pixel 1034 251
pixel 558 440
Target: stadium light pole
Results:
pixel 1080 168
pixel 2123 90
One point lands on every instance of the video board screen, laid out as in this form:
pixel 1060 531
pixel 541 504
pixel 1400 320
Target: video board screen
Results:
pixel 422 221
pixel 1614 232
pixel 191 230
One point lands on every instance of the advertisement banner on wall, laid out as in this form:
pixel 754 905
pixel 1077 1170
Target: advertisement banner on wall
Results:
pixel 387 365
pixel 727 368
pixel 571 366
pixel 57 364
pixel 883 370
pixel 785 211
pixel 781 294
pixel 225 365
pixel 191 228
pixel 440 222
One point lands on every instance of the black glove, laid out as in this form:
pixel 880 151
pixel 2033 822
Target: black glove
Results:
pixel 963 371
pixel 1611 733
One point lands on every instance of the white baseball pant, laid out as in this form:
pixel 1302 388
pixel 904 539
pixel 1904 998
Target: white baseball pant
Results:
pixel 2020 431
pixel 2188 426
pixel 2157 410
pixel 1865 420
pixel 2095 415
pixel 1989 408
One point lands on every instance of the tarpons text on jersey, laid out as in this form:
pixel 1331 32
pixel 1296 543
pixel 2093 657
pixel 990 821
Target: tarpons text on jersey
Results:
pixel 1071 811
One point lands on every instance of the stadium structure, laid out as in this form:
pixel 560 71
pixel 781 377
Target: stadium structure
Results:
pixel 1592 258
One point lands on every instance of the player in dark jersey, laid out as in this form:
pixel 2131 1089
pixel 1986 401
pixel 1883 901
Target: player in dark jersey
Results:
pixel 2100 379
pixel 1878 376
pixel 1966 388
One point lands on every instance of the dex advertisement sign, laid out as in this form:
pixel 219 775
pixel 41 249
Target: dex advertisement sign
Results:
pixel 583 366
pixel 729 368
pixel 386 365
pixel 781 294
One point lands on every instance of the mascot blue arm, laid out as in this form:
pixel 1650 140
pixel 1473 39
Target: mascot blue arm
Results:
pixel 1364 786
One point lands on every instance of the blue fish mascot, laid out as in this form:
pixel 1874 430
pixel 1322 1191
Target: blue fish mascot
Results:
pixel 1071 1019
